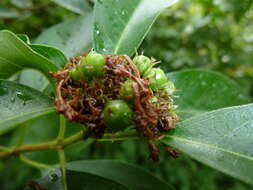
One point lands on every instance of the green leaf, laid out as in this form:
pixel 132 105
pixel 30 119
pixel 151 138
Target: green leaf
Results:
pixel 20 103
pixel 15 55
pixel 33 79
pixel 222 139
pixel 77 180
pixel 201 91
pixel 128 175
pixel 105 174
pixel 24 38
pixel 120 26
pixel 53 54
pixel 72 37
pixel 77 6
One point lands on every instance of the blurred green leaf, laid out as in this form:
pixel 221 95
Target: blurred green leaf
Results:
pixel 33 79
pixel 23 4
pixel 20 103
pixel 120 26
pixel 77 6
pixel 8 13
pixel 72 37
pixel 24 57
pixel 222 139
pixel 201 91
pixel 104 174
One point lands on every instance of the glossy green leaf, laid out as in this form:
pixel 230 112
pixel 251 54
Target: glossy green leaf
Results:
pixel 121 25
pixel 105 174
pixel 15 55
pixel 201 91
pixel 77 6
pixel 72 37
pixel 128 175
pixel 222 139
pixel 35 79
pixel 53 54
pixel 20 103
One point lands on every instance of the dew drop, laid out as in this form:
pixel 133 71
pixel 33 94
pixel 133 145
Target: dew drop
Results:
pixel 13 99
pixel 97 30
pixel 123 13
pixel 24 97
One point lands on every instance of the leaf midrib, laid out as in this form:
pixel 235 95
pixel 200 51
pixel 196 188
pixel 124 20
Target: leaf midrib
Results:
pixel 117 46
pixel 211 146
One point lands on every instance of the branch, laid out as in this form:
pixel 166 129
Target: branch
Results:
pixel 54 145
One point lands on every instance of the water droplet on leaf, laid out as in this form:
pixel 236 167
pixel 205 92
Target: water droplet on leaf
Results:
pixel 13 99
pixel 23 96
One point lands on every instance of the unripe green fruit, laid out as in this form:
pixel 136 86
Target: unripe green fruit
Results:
pixel 157 79
pixel 126 90
pixel 93 65
pixel 143 63
pixel 75 74
pixel 117 115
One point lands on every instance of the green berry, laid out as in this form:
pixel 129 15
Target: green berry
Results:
pixel 93 65
pixel 126 90
pixel 157 79
pixel 143 63
pixel 117 115
pixel 75 74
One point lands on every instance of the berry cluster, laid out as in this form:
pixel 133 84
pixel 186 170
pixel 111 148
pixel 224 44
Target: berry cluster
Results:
pixel 113 92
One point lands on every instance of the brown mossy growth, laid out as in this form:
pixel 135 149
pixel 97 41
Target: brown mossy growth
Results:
pixel 83 101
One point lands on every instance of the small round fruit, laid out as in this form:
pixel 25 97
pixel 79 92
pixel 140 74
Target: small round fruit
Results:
pixel 143 63
pixel 75 74
pixel 126 90
pixel 93 65
pixel 157 79
pixel 117 115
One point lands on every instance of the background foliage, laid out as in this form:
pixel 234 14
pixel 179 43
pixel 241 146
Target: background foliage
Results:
pixel 211 34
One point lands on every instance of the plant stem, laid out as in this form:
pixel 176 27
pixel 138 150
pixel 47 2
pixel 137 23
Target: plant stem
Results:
pixel 62 128
pixel 62 158
pixel 34 163
pixel 61 152
pixel 53 145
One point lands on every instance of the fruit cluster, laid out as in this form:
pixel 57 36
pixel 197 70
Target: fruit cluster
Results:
pixel 113 92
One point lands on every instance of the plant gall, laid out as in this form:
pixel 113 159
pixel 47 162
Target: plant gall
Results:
pixel 112 92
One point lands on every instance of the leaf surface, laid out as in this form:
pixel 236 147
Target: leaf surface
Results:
pixel 20 103
pixel 200 91
pixel 121 25
pixel 222 139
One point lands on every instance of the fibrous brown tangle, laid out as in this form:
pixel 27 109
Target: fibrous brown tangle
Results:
pixel 83 101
